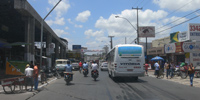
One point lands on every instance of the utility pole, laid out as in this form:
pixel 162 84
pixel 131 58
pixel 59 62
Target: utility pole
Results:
pixel 125 40
pixel 41 35
pixel 111 42
pixel 137 24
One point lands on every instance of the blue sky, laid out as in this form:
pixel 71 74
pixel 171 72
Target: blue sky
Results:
pixel 89 22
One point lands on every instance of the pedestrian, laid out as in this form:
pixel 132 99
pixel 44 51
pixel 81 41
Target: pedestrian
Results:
pixel 146 68
pixel 172 67
pixel 80 66
pixel 35 74
pixel 29 77
pixel 167 67
pixel 191 73
pixel 157 67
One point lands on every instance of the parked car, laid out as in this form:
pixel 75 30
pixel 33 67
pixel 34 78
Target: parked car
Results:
pixel 60 65
pixel 104 66
pixel 75 65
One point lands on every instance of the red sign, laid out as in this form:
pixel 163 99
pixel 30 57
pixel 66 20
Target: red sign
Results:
pixel 179 47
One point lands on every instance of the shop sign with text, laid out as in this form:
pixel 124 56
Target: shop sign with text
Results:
pixel 191 46
pixel 179 47
pixel 194 31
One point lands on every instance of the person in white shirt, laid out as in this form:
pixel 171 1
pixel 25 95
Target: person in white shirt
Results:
pixel 94 67
pixel 29 76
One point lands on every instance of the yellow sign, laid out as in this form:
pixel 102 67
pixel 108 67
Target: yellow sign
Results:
pixel 12 70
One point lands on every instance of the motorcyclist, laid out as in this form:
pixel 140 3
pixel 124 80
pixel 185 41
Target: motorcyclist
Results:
pixel 68 68
pixel 85 66
pixel 94 67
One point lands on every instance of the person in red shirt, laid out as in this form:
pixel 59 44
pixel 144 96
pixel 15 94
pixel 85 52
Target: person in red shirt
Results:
pixel 80 66
pixel 146 68
pixel 35 75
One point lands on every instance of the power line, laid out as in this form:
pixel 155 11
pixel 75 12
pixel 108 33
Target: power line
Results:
pixel 178 24
pixel 177 9
pixel 145 3
pixel 140 2
pixel 179 19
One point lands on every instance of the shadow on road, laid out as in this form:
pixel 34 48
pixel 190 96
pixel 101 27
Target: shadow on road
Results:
pixel 128 80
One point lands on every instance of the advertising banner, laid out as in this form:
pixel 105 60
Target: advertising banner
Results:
pixel 146 31
pixel 15 67
pixel 191 46
pixel 179 46
pixel 174 37
pixel 195 59
pixel 194 31
pixel 83 50
pixel 170 48
pixel 183 36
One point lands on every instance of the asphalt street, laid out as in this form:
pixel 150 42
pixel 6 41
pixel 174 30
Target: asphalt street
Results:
pixel 146 88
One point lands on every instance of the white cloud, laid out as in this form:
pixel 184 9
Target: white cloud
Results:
pixel 61 8
pixel 173 5
pixel 66 28
pixel 70 21
pixel 57 21
pixel 83 16
pixel 60 21
pixel 91 33
pixel 79 26
pixel 60 32
pixel 121 28
pixel 49 22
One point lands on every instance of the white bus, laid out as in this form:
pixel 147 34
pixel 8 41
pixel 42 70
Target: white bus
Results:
pixel 126 60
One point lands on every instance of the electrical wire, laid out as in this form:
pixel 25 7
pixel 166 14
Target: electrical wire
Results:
pixel 179 19
pixel 178 24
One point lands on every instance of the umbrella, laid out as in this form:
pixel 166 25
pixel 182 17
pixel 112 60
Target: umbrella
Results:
pixel 157 58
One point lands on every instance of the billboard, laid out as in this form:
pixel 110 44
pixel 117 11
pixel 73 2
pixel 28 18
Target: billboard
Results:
pixel 76 47
pixel 194 31
pixel 146 31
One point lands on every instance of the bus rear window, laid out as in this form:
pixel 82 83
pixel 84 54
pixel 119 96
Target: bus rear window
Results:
pixel 128 51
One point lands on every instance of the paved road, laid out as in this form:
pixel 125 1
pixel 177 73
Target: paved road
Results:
pixel 146 88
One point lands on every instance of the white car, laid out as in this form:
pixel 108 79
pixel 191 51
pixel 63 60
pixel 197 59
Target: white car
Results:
pixel 104 66
pixel 75 66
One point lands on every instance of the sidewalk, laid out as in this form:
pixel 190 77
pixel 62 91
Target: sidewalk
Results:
pixel 29 87
pixel 178 79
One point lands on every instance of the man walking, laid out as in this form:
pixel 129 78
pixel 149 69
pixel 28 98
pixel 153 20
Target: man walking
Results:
pixel 157 67
pixel 146 68
pixel 36 72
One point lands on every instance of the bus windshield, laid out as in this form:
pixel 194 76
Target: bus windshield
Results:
pixel 129 51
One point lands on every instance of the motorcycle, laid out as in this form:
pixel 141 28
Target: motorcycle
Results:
pixel 68 77
pixel 177 71
pixel 85 72
pixel 95 74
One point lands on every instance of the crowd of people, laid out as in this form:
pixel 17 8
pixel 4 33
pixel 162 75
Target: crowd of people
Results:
pixel 169 68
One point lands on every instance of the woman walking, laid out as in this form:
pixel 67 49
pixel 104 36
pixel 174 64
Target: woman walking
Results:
pixel 191 73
